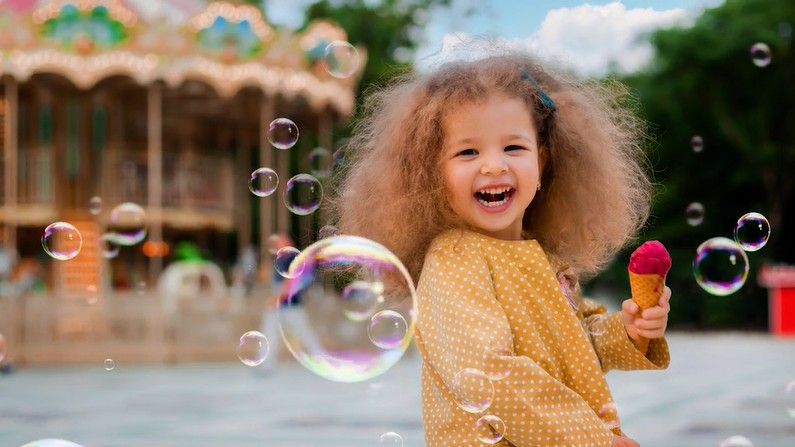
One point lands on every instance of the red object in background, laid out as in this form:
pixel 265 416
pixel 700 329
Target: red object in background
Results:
pixel 780 282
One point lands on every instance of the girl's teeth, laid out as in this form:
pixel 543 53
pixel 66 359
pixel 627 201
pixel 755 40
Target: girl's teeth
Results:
pixel 493 204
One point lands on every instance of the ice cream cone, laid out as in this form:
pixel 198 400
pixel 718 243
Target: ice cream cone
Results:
pixel 647 269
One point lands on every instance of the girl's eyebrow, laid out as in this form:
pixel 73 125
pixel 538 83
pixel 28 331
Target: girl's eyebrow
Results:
pixel 517 136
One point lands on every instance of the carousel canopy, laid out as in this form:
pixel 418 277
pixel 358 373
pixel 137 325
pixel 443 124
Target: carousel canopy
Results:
pixel 226 45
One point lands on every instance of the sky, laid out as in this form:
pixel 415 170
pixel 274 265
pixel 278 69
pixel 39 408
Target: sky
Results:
pixel 587 37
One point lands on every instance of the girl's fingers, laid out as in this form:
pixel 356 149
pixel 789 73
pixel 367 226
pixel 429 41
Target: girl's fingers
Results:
pixel 649 324
pixel 653 313
pixel 651 334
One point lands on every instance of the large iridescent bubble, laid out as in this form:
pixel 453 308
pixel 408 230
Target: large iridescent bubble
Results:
pixel 315 309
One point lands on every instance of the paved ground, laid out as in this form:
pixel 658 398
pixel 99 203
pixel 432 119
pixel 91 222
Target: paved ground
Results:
pixel 717 386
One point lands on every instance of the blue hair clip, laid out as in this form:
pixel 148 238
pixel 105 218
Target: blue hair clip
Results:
pixel 546 101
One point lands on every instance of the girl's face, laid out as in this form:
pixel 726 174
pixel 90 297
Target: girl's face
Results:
pixel 490 164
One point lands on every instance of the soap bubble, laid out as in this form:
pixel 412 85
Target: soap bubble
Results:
pixel 752 231
pixel 720 266
pixel 303 194
pixel 319 160
pixel 109 364
pixel 263 182
pixel 341 59
pixel 127 225
pixel 391 439
pixel 253 348
pixel 497 362
pixel 320 333
pixel 387 329
pixel 95 205
pixel 360 298
pixel 61 241
pixel 108 246
pixel 51 443
pixel 282 133
pixel 760 54
pixel 490 429
pixel 284 259
pixel 473 390
pixel 694 213
pixel 736 441
pixel 697 143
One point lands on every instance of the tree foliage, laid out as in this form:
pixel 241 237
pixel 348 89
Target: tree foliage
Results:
pixel 702 82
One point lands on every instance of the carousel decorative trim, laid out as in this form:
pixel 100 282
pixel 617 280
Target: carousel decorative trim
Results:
pixel 277 63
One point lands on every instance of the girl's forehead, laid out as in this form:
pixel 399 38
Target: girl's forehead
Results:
pixel 497 110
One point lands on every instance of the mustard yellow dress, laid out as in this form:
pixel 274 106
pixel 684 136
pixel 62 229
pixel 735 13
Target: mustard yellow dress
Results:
pixel 495 313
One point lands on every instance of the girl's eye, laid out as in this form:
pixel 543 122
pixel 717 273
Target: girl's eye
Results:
pixel 468 152
pixel 514 147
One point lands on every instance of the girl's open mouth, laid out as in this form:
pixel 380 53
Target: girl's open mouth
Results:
pixel 495 200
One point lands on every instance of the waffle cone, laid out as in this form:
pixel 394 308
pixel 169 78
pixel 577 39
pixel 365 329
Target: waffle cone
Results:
pixel 646 289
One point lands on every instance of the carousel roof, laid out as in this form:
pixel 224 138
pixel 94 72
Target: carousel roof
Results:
pixel 226 45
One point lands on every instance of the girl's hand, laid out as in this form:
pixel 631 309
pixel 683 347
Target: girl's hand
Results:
pixel 650 323
pixel 621 441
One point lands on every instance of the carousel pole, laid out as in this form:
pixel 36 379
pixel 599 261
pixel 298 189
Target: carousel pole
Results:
pixel 325 139
pixel 266 204
pixel 154 133
pixel 10 162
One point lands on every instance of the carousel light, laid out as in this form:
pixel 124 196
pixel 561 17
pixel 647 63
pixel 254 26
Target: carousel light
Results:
pixel 233 14
pixel 116 10
pixel 321 30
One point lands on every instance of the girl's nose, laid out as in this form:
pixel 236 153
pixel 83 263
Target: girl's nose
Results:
pixel 493 165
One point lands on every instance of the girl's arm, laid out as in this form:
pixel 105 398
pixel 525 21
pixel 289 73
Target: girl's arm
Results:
pixel 613 345
pixel 460 322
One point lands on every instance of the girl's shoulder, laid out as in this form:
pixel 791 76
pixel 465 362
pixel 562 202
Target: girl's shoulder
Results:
pixel 454 242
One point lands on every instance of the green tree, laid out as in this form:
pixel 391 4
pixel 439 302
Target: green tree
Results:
pixel 702 82
pixel 389 29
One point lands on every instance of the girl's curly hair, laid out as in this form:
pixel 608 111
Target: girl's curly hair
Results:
pixel 595 195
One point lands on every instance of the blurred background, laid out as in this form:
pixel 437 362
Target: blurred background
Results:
pixel 141 237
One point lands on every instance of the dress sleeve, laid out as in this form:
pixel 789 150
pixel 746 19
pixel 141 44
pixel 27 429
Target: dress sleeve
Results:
pixel 614 347
pixel 462 325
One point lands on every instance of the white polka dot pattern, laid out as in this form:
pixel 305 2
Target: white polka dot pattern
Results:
pixel 476 294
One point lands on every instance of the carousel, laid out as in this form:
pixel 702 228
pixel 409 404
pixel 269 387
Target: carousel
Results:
pixel 101 108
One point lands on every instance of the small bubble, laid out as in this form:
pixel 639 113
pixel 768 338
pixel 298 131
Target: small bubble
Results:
pixel 391 439
pixel 263 182
pixel 736 441
pixel 319 160
pixel 473 390
pixel 283 133
pixel 694 213
pixel 128 224
pixel 697 143
pixel 61 241
pixel 752 231
pixel 720 266
pixel 760 54
pixel 109 364
pixel 387 329
pixel 341 59
pixel 284 260
pixel 95 205
pixel 303 194
pixel 253 348
pixel 490 429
